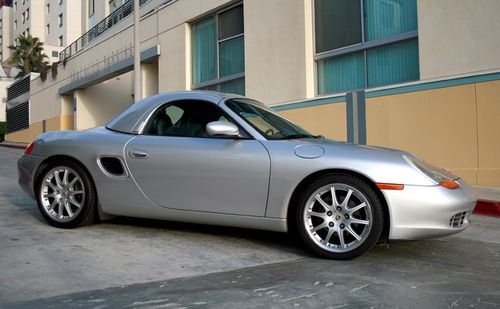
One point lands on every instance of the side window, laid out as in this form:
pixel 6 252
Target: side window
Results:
pixel 186 118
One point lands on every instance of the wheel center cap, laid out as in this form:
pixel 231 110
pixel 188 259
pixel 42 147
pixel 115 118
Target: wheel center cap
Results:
pixel 338 217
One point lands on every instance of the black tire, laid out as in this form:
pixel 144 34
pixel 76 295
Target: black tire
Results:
pixel 305 224
pixel 87 212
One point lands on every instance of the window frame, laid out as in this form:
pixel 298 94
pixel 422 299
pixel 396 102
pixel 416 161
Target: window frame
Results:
pixel 219 80
pixel 243 135
pixel 364 46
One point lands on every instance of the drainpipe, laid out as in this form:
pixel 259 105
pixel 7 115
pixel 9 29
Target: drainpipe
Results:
pixel 137 53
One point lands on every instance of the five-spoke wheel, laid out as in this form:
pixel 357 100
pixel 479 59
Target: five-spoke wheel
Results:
pixel 66 196
pixel 339 216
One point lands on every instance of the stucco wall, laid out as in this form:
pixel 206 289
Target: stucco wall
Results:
pixel 6 31
pixel 328 120
pixel 96 105
pixel 458 37
pixel 278 50
pixel 452 127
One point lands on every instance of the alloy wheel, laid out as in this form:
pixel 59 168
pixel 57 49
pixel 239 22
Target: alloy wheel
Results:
pixel 62 194
pixel 337 217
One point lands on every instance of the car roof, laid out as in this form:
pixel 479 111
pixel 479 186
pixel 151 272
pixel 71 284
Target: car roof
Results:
pixel 133 117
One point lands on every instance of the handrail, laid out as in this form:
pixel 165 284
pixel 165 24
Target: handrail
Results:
pixel 109 21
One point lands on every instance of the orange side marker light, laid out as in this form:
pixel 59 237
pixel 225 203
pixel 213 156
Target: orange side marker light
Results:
pixel 390 186
pixel 449 184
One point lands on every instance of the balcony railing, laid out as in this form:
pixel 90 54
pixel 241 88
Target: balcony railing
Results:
pixel 108 22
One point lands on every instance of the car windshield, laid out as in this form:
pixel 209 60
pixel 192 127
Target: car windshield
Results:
pixel 265 120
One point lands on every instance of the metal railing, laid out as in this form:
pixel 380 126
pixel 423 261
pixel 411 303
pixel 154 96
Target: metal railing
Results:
pixel 108 22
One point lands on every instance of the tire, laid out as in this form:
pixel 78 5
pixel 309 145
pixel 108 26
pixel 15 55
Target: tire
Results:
pixel 339 229
pixel 66 195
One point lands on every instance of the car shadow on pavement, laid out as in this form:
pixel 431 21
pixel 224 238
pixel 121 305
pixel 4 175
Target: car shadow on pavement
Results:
pixel 286 242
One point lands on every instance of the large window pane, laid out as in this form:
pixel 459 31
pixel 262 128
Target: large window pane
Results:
pixel 231 57
pixel 341 73
pixel 393 63
pixel 338 24
pixel 204 51
pixel 231 22
pixel 384 18
pixel 236 86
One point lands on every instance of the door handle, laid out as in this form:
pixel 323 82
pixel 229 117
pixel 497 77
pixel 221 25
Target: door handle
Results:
pixel 138 154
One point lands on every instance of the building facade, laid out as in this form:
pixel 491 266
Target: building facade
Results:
pixel 56 23
pixel 6 31
pixel 418 75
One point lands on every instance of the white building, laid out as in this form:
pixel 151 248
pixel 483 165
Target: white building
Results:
pixel 55 22
pixel 6 31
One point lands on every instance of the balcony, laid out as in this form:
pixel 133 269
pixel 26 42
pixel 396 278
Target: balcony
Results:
pixel 107 23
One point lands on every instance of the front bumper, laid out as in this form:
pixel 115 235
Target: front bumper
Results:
pixel 429 211
pixel 27 165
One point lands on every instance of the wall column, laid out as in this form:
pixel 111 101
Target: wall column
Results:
pixel 149 79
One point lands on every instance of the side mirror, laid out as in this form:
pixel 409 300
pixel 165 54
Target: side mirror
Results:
pixel 222 128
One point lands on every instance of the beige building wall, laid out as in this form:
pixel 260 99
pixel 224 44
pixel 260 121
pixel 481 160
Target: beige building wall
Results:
pixel 98 104
pixel 328 120
pixel 458 37
pixel 453 127
pixel 278 50
pixel 175 61
pixel 488 113
pixel 5 32
pixel 26 136
pixel 4 83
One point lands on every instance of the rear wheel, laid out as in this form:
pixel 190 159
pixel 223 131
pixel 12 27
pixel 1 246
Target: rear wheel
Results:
pixel 66 196
pixel 339 217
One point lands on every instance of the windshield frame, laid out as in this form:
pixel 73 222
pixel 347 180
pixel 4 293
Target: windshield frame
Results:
pixel 294 131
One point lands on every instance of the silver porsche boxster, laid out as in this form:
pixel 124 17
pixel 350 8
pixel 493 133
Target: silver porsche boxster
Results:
pixel 212 158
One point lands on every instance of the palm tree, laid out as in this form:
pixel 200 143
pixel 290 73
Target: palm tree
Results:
pixel 28 55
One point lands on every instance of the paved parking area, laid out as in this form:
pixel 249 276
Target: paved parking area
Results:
pixel 145 263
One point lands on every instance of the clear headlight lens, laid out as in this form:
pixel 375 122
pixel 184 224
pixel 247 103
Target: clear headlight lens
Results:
pixel 437 174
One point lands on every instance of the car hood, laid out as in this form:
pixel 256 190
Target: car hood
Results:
pixel 351 149
pixel 384 165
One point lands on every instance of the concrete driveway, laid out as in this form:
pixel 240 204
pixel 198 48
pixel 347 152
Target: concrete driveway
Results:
pixel 146 263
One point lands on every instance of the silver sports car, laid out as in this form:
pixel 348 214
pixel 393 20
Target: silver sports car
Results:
pixel 212 158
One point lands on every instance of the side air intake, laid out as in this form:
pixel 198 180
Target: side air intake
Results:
pixel 112 166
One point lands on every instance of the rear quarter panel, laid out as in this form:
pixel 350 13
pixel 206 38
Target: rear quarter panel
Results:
pixel 116 195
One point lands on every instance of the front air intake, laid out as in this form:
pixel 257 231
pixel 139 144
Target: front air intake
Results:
pixel 459 219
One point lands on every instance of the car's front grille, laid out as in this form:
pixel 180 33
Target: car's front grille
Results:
pixel 459 219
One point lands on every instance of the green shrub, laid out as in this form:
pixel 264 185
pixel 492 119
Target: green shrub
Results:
pixel 2 128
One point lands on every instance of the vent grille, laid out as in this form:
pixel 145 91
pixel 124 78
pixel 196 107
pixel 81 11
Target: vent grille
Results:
pixel 459 219
pixel 18 88
pixel 18 118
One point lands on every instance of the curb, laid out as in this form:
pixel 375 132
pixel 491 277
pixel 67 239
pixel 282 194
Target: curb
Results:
pixel 13 146
pixel 487 208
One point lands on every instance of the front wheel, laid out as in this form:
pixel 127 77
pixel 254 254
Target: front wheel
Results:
pixel 339 217
pixel 66 196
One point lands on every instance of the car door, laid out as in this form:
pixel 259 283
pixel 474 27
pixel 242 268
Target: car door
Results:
pixel 178 166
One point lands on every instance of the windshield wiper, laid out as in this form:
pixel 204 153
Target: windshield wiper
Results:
pixel 292 136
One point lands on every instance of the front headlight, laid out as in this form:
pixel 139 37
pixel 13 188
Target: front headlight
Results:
pixel 436 174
